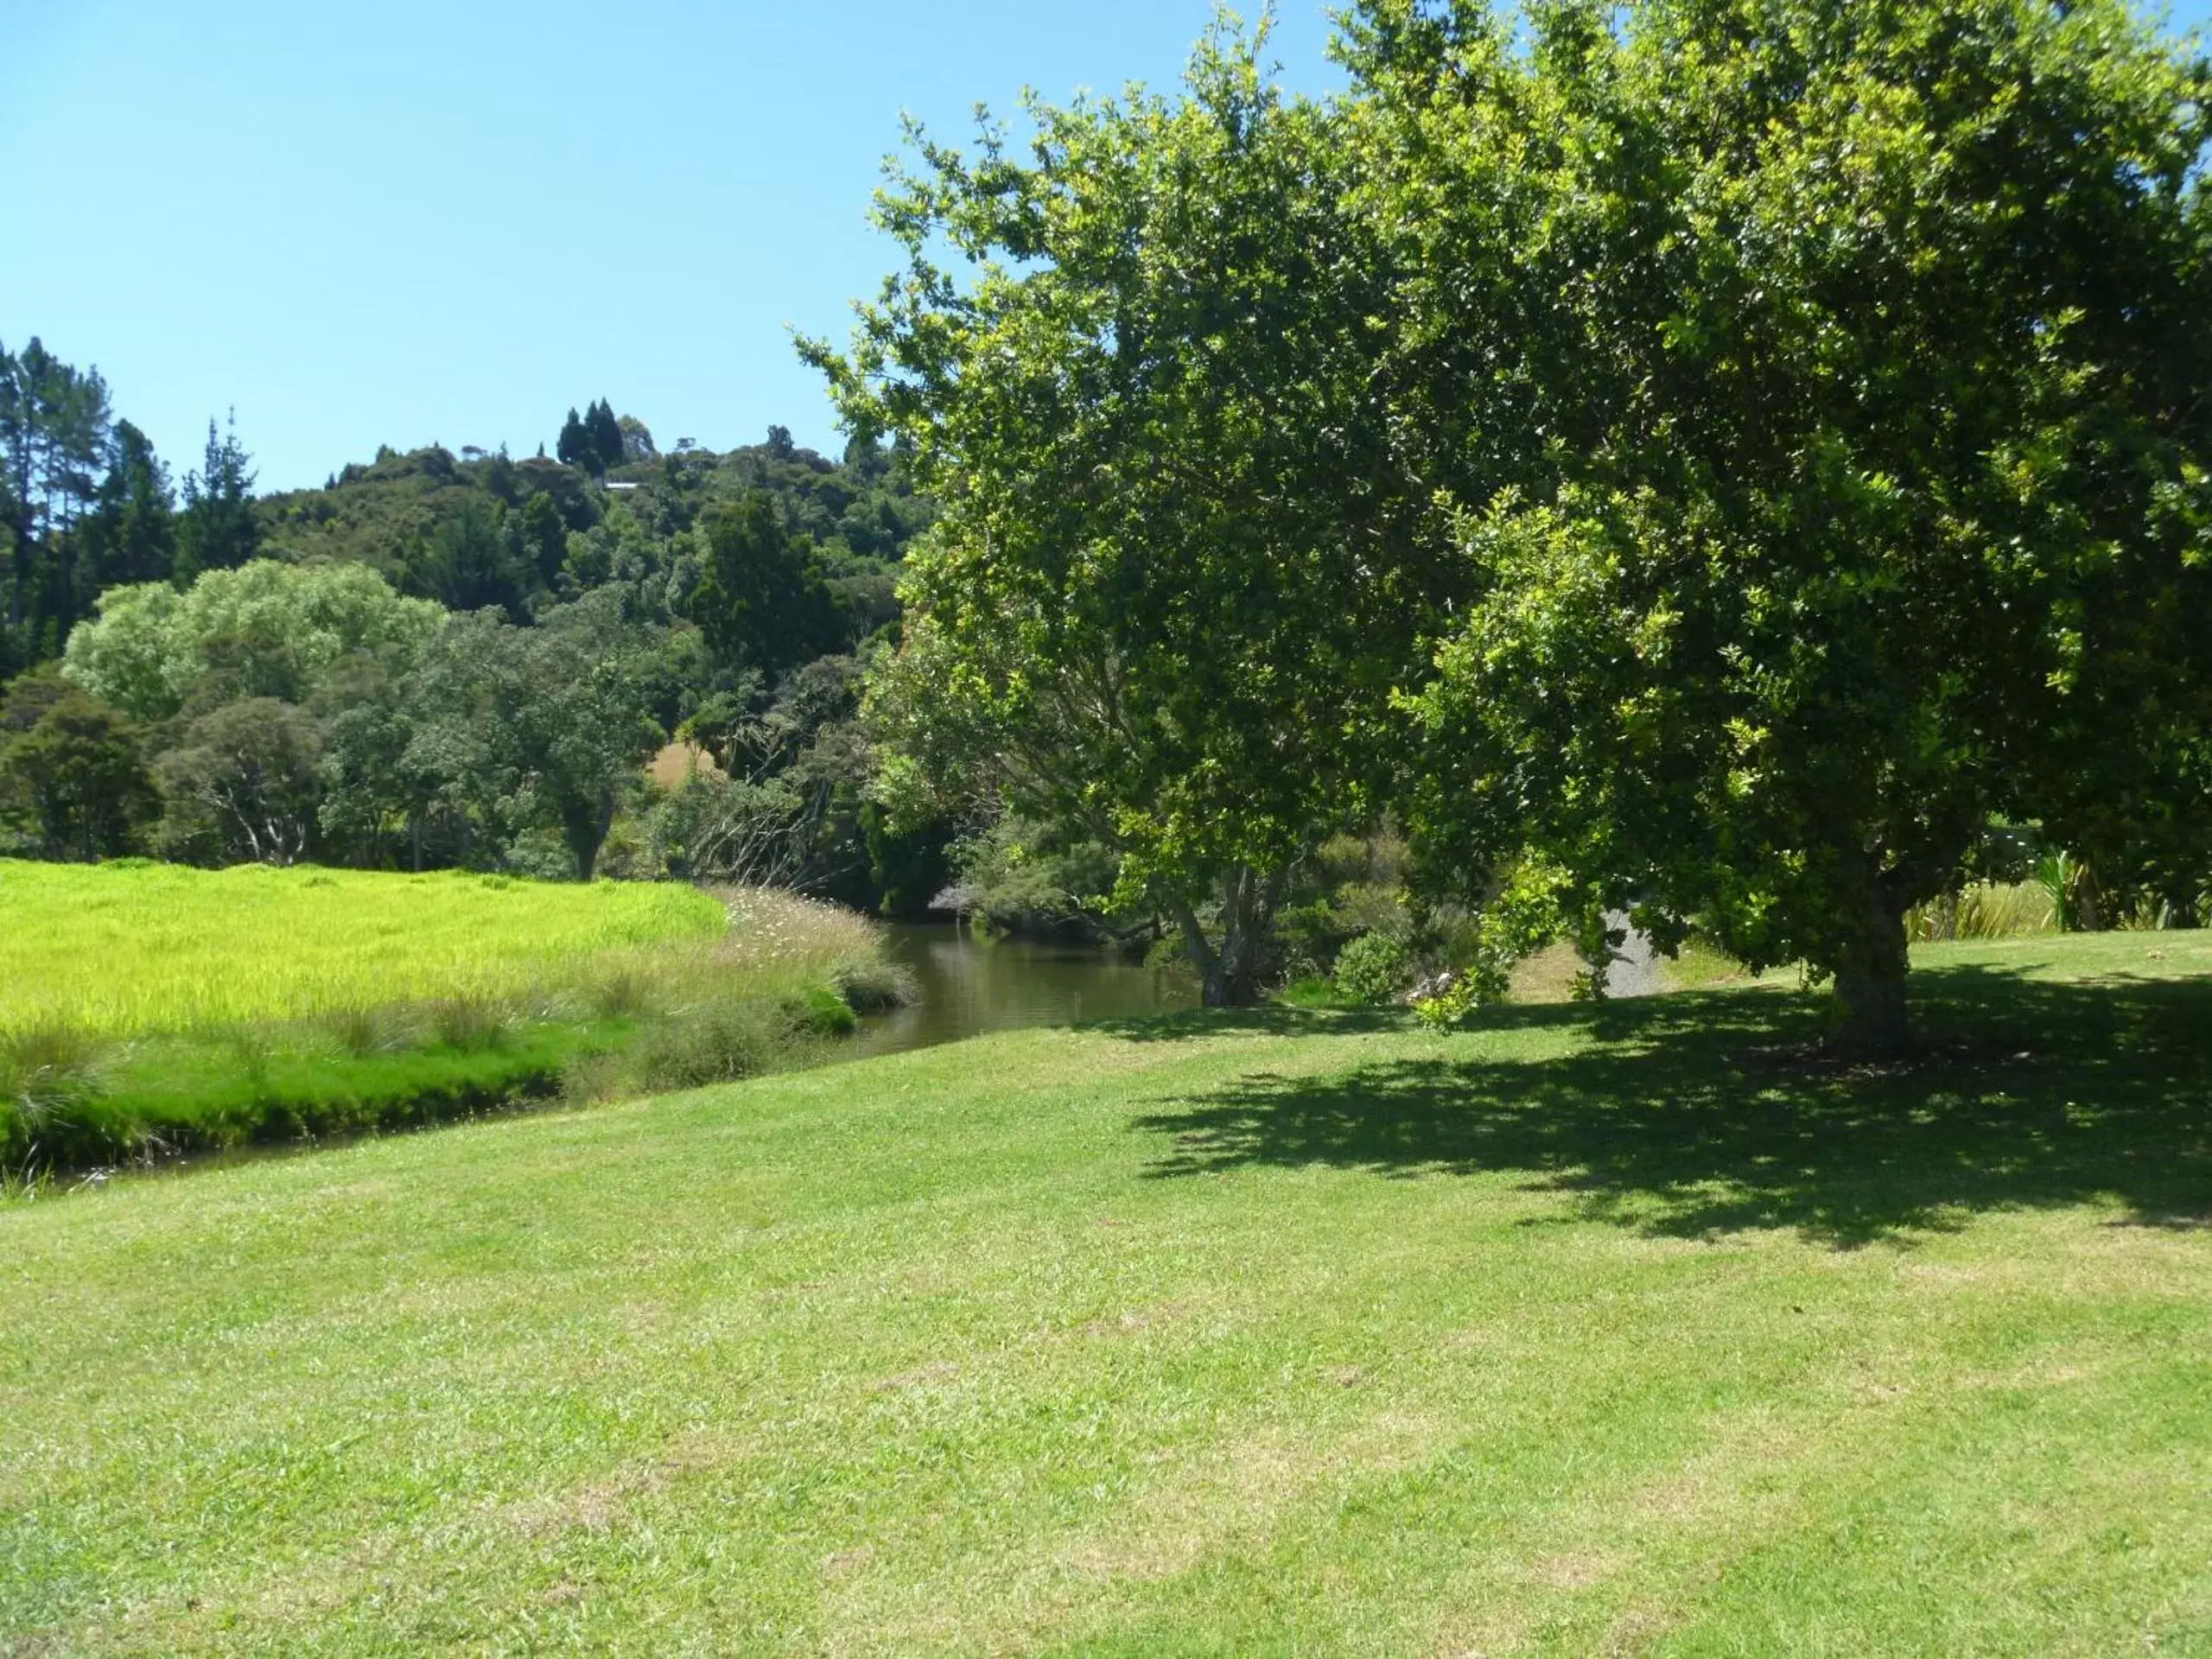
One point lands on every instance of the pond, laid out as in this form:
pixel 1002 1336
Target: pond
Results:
pixel 970 985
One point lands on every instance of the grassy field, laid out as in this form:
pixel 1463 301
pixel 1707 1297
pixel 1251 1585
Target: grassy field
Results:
pixel 1632 1330
pixel 147 1009
pixel 129 948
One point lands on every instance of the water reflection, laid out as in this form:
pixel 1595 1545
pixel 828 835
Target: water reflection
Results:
pixel 970 986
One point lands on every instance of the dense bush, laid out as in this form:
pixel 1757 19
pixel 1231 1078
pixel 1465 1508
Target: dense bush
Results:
pixel 1372 970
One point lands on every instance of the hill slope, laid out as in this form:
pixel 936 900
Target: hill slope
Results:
pixel 858 508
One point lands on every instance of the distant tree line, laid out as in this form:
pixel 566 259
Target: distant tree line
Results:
pixel 85 504
pixel 437 660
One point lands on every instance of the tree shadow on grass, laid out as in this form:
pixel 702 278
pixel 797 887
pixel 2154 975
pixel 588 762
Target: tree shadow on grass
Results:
pixel 1269 1019
pixel 1706 1113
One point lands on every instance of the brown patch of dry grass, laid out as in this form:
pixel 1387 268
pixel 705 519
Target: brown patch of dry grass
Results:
pixel 678 764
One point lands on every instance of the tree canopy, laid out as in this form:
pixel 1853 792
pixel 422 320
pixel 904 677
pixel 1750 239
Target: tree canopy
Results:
pixel 761 600
pixel 1155 610
pixel 1870 356
pixel 266 629
pixel 1742 463
pixel 1755 450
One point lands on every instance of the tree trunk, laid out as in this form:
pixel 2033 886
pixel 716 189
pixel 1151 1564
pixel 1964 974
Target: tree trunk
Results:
pixel 1199 948
pixel 1233 983
pixel 584 824
pixel 1228 977
pixel 2090 909
pixel 1872 1022
pixel 19 528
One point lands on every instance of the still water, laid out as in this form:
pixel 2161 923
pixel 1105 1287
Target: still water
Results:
pixel 970 986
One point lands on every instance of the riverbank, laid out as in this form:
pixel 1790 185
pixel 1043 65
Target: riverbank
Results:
pixel 1634 1328
pixel 151 1011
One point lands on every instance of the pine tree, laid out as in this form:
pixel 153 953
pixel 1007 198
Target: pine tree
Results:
pixel 14 488
pixel 575 444
pixel 466 564
pixel 216 530
pixel 53 433
pixel 130 533
pixel 606 434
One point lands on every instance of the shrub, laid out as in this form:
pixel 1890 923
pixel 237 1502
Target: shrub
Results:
pixel 1372 970
pixel 1986 910
pixel 1530 908
pixel 715 1042
pixel 1310 991
pixel 870 985
pixel 2062 876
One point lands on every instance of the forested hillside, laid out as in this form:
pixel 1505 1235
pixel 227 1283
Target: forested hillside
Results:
pixel 440 659
pixel 403 513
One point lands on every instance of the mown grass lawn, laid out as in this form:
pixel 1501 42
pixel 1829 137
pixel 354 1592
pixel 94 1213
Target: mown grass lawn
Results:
pixel 1626 1331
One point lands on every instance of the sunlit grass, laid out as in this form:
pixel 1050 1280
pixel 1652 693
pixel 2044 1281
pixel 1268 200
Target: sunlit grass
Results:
pixel 1634 1329
pixel 150 1010
pixel 124 949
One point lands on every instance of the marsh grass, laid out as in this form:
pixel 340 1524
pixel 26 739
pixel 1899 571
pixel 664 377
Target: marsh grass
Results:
pixel 874 987
pixel 762 988
pixel 712 1042
pixel 1986 910
pixel 49 1065
pixel 360 1028
pixel 472 1020
pixel 621 991
pixel 49 1073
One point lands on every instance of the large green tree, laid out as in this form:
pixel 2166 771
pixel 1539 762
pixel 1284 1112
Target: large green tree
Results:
pixel 400 780
pixel 761 601
pixel 1818 396
pixel 548 725
pixel 266 629
pixel 72 776
pixel 243 784
pixel 1165 604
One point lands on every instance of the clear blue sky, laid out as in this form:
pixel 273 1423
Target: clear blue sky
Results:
pixel 391 223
